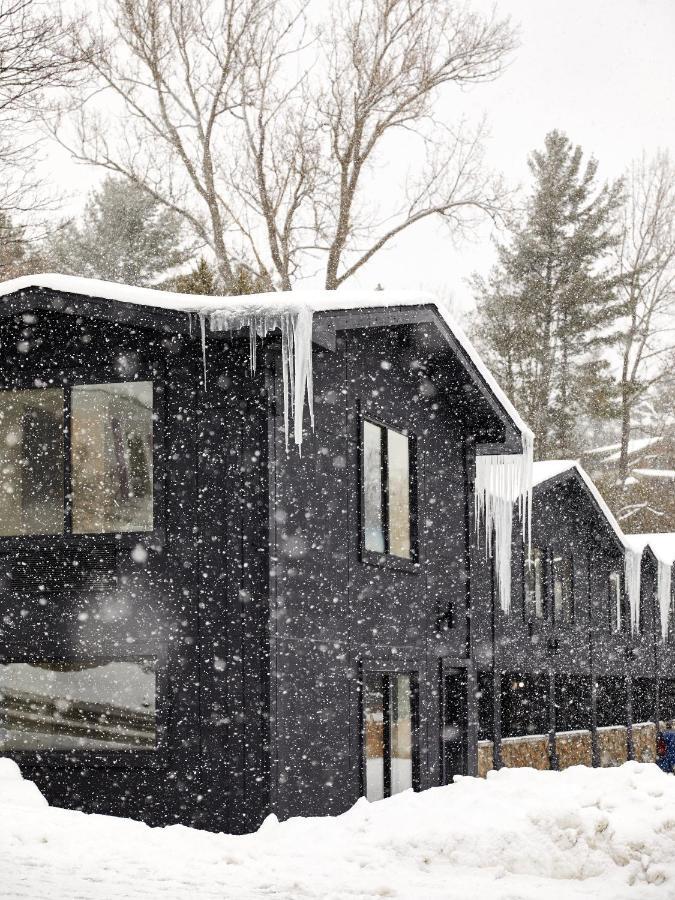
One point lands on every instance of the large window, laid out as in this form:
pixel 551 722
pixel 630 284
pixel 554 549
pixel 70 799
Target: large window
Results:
pixel 76 459
pixel 62 705
pixel 563 588
pixel 535 600
pixel 388 734
pixel 387 496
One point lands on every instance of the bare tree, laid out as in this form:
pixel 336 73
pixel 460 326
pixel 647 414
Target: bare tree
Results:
pixel 170 71
pixel 35 57
pixel 263 124
pixel 646 259
pixel 380 70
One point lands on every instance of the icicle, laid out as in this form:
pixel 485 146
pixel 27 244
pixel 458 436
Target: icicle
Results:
pixel 501 480
pixel 296 356
pixel 663 592
pixel 632 565
pixel 202 325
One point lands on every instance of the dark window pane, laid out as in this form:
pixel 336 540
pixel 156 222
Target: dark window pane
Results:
pixel 373 736
pixel 31 462
pixel 611 701
pixel 398 475
pixel 64 706
pixel 524 704
pixel 572 702
pixel 401 734
pixel 372 488
pixel 112 457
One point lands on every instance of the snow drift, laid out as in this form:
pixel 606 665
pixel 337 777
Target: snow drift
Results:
pixel 602 833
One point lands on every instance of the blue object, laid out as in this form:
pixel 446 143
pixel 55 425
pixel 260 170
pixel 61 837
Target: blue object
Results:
pixel 665 750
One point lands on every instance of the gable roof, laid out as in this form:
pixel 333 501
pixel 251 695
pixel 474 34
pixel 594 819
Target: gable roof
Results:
pixel 556 470
pixel 291 312
pixel 662 545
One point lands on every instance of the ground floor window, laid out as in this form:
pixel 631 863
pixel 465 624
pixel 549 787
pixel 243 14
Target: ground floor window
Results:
pixel 644 699
pixel 667 699
pixel 388 734
pixel 85 705
pixel 572 702
pixel 525 699
pixel 611 701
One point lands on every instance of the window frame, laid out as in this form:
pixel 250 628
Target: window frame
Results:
pixel 562 563
pixel 67 539
pixel 134 757
pixel 386 673
pixel 543 560
pixel 386 559
pixel 623 606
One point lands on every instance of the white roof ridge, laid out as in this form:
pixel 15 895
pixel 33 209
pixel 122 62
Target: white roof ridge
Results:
pixel 559 467
pixel 235 309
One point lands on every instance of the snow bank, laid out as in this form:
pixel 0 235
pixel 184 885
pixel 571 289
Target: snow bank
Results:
pixel 519 834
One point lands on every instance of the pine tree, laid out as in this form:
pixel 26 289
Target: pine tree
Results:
pixel 548 306
pixel 124 235
pixel 203 279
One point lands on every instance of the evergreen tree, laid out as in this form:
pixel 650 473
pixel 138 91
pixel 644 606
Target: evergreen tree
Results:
pixel 124 235
pixel 203 279
pixel 548 306
pixel 17 254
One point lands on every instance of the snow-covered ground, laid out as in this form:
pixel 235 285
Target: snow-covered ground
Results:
pixel 520 834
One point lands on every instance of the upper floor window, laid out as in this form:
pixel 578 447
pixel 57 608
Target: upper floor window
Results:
pixel 616 601
pixel 563 588
pixel 387 495
pixel 76 459
pixel 534 585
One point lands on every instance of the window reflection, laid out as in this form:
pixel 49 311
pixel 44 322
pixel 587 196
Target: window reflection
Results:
pixel 387 734
pixel 31 462
pixel 401 734
pixel 562 588
pixel 54 705
pixel 373 715
pixel 374 527
pixel 534 584
pixel 615 600
pixel 386 491
pixel 398 483
pixel 112 457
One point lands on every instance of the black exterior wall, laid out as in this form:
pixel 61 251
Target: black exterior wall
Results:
pixel 338 615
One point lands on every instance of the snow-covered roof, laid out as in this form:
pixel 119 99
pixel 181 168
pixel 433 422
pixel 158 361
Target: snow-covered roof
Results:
pixel 263 312
pixel 662 545
pixel 614 450
pixel 545 470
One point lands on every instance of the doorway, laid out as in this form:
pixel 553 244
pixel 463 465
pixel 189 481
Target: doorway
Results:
pixel 454 718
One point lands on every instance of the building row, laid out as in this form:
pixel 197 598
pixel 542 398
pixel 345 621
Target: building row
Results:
pixel 272 554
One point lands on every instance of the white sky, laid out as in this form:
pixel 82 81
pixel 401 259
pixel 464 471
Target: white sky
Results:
pixel 603 71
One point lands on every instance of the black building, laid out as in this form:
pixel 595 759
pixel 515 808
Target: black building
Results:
pixel 577 660
pixel 199 623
